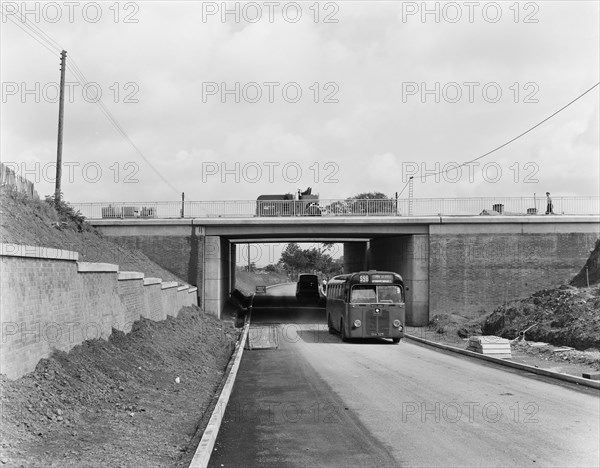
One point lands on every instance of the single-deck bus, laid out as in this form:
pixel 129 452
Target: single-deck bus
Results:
pixel 366 304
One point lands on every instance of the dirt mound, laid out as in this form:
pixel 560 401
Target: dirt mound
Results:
pixel 117 402
pixel 455 325
pixel 29 221
pixel 591 270
pixel 566 316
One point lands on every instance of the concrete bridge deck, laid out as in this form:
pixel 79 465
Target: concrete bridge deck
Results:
pixel 334 227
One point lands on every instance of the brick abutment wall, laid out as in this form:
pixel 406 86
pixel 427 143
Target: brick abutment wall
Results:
pixel 451 271
pixel 469 274
pixel 50 301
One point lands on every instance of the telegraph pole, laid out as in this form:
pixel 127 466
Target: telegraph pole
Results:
pixel 61 111
pixel 410 196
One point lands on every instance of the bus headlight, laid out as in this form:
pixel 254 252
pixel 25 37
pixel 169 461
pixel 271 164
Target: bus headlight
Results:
pixel 357 323
pixel 397 324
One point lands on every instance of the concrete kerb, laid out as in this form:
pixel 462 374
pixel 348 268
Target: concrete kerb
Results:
pixel 209 437
pixel 515 365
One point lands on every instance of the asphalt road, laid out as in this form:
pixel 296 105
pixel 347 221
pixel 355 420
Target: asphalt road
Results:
pixel 316 401
pixel 283 289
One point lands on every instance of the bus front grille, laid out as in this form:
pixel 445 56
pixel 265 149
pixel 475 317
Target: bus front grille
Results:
pixel 378 324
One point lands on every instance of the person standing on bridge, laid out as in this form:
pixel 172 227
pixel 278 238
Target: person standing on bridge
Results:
pixel 549 205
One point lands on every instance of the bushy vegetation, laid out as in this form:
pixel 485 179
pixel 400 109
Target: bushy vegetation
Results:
pixel 67 214
pixel 295 260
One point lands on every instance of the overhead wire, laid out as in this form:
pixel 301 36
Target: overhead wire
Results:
pixel 44 44
pixel 38 31
pixel 76 70
pixel 424 176
pixel 515 138
pixel 51 45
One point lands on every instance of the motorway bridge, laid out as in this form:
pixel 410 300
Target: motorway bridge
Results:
pixel 457 263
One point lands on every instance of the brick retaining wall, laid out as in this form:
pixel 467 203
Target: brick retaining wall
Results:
pixel 50 301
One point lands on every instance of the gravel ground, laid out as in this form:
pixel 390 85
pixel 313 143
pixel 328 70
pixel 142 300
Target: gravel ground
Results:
pixel 537 354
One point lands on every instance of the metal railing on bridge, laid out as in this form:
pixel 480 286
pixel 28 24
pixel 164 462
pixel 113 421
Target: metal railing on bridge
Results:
pixel 347 207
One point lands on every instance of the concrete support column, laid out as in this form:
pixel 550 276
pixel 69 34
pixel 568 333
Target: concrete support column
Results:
pixel 355 256
pixel 232 264
pixel 196 260
pixel 408 256
pixel 417 280
pixel 217 276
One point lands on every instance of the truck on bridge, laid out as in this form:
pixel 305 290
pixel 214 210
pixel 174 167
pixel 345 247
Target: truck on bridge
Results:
pixel 302 204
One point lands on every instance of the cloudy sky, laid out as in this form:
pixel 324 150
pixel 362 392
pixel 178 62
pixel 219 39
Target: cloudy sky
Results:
pixel 233 100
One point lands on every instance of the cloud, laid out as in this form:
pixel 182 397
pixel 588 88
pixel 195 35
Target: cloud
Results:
pixel 355 124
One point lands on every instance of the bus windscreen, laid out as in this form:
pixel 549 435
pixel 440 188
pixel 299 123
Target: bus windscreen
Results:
pixel 390 293
pixel 371 294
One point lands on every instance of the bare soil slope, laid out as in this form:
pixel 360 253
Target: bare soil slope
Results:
pixel 115 402
pixel 34 222
pixel 566 316
pixel 590 273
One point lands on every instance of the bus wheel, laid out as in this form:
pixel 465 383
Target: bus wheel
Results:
pixel 343 331
pixel 330 325
pixel 396 340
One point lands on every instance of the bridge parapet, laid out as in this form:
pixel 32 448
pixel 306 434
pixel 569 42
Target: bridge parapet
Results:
pixel 484 206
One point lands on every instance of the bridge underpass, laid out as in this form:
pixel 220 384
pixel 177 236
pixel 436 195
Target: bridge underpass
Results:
pixel 267 308
pixel 454 265
pixel 404 254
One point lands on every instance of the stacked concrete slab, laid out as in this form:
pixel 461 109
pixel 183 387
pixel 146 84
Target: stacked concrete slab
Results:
pixel 490 345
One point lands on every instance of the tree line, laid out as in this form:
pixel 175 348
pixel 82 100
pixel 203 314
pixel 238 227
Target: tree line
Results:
pixel 295 260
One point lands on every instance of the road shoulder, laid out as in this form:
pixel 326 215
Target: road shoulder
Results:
pixel 281 413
